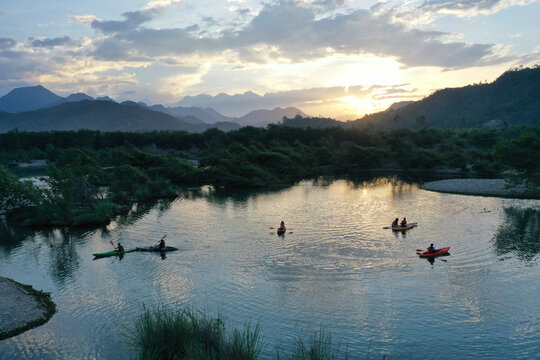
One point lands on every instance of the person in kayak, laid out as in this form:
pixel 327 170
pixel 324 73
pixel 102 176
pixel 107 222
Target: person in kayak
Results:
pixel 395 222
pixel 120 247
pixel 162 244
pixel 282 225
pixel 431 249
pixel 404 222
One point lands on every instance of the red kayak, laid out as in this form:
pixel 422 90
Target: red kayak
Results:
pixel 281 231
pixel 437 252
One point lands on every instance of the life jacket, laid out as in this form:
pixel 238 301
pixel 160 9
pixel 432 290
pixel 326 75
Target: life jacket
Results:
pixel 394 223
pixel 162 244
pixel 403 223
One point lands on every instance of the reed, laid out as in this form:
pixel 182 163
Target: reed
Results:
pixel 186 334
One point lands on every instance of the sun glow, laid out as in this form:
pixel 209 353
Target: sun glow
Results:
pixel 359 106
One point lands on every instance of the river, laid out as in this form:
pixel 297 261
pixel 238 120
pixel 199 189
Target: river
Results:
pixel 336 268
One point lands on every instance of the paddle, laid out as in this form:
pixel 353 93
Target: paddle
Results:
pixel 110 242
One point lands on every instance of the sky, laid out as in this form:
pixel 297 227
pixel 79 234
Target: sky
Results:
pixel 330 58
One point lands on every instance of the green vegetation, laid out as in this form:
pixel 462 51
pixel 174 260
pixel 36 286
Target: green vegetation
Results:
pixel 185 334
pixel 93 175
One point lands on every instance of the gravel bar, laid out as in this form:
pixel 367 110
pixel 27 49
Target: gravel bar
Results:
pixel 22 308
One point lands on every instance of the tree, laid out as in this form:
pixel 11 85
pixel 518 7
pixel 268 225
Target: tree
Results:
pixel 522 157
pixel 15 194
pixel 63 183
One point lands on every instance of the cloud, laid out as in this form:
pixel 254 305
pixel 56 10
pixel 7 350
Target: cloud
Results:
pixel 48 42
pixel 160 3
pixel 83 18
pixel 470 8
pixel 291 33
pixel 22 65
pixel 6 43
pixel 133 19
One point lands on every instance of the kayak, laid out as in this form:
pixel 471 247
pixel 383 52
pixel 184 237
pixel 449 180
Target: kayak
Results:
pixel 154 249
pixel 437 252
pixel 281 231
pixel 400 228
pixel 114 252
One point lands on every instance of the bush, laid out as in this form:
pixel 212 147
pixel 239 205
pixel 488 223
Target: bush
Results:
pixel 100 215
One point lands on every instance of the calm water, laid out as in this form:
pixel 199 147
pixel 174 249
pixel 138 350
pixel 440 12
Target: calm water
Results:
pixel 338 268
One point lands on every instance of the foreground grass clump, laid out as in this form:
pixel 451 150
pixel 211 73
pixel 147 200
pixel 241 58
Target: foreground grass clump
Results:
pixel 185 334
pixel 319 348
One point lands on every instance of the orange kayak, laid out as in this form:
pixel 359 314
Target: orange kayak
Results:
pixel 437 252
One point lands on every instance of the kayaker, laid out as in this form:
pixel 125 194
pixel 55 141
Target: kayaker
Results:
pixel 120 247
pixel 282 225
pixel 404 222
pixel 395 222
pixel 431 249
pixel 161 244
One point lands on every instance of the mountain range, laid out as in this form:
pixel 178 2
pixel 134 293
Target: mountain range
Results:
pixel 101 115
pixel 36 108
pixel 512 99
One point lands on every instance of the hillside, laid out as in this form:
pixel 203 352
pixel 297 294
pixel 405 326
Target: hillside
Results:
pixel 100 115
pixel 512 99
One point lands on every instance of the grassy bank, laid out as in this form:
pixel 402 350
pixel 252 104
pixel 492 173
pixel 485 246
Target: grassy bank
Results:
pixel 186 334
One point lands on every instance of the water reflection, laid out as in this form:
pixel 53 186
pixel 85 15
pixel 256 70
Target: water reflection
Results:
pixel 400 186
pixel 222 196
pixel 519 233
pixel 11 237
pixel 432 260
pixel 138 211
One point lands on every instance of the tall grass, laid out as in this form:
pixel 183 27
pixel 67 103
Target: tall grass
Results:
pixel 185 334
pixel 319 348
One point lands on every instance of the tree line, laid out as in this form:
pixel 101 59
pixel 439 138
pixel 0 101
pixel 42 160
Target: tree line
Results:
pixel 93 175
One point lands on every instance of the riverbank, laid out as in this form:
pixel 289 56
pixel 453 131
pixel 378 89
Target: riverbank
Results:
pixel 483 187
pixel 22 308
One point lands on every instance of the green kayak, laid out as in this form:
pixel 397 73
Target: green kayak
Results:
pixel 114 252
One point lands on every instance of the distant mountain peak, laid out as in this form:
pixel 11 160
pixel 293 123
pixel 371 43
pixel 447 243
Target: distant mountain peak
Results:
pixel 27 99
pixel 77 97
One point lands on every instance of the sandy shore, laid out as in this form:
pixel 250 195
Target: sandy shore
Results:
pixel 485 187
pixel 22 308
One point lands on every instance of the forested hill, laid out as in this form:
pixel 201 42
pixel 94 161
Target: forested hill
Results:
pixel 510 100
pixel 100 115
pixel 513 99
